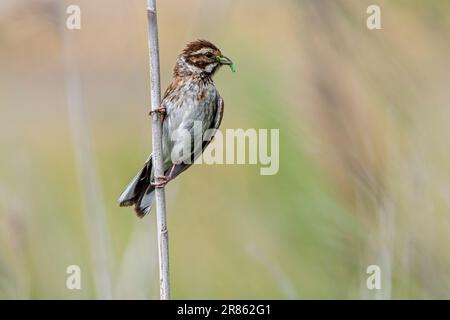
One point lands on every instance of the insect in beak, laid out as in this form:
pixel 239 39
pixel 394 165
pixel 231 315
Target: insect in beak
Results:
pixel 226 61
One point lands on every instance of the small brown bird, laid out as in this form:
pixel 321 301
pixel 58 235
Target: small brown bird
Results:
pixel 190 99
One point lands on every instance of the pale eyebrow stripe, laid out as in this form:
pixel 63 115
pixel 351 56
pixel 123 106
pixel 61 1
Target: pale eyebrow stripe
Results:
pixel 202 50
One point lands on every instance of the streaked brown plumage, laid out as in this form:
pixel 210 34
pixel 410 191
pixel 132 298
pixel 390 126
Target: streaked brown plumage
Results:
pixel 191 98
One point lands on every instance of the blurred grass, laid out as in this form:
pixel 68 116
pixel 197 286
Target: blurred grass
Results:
pixel 362 118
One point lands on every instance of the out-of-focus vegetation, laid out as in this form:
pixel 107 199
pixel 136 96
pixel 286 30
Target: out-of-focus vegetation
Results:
pixel 364 158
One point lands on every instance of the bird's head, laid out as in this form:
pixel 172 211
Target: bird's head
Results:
pixel 200 57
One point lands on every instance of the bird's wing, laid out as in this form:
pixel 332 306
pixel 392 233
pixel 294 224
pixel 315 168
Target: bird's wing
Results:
pixel 169 96
pixel 217 119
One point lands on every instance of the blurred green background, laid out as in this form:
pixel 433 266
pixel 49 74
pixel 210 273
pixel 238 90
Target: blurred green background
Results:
pixel 364 151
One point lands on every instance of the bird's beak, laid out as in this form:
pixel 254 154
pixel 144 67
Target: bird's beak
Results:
pixel 224 60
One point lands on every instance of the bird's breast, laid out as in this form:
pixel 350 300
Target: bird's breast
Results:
pixel 190 104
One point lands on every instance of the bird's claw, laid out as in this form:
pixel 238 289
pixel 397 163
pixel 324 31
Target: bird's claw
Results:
pixel 162 181
pixel 162 111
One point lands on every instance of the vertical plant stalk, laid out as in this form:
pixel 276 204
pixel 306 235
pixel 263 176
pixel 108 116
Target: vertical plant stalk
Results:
pixel 386 234
pixel 160 197
pixel 86 168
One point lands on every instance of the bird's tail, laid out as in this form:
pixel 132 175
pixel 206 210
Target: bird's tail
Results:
pixel 140 191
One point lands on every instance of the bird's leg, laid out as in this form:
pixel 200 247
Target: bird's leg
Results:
pixel 169 176
pixel 161 111
pixel 163 180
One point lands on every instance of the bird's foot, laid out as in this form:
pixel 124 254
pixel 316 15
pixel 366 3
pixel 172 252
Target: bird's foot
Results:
pixel 161 111
pixel 161 182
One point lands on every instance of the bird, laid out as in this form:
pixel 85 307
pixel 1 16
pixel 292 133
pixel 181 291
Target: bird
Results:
pixel 191 98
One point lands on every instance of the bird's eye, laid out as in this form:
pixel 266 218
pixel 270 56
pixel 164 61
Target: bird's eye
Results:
pixel 209 55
